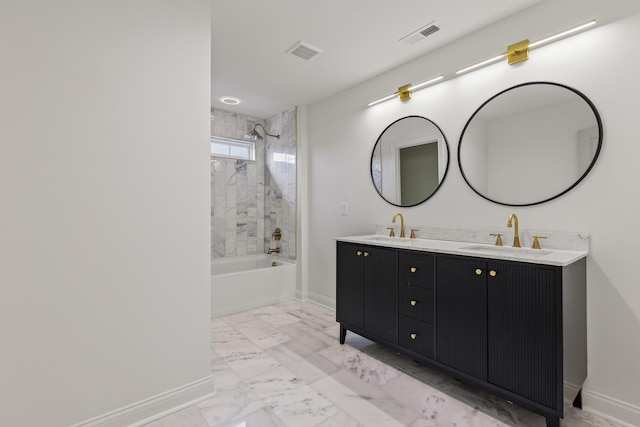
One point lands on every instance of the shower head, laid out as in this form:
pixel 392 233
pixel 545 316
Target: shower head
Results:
pixel 254 135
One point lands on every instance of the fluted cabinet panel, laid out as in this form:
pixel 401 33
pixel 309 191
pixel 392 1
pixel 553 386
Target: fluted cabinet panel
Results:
pixel 461 313
pixel 522 331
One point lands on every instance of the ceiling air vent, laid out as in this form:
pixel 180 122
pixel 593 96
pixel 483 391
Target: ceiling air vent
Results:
pixel 421 33
pixel 304 50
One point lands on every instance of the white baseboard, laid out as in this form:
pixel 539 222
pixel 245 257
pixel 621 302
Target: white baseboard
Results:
pixel 609 407
pixel 302 296
pixel 147 410
pixel 322 300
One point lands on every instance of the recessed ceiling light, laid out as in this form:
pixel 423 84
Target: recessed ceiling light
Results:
pixel 230 100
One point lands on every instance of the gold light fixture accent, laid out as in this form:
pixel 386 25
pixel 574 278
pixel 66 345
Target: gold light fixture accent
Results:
pixel 515 53
pixel 254 135
pixel 519 52
pixel 404 94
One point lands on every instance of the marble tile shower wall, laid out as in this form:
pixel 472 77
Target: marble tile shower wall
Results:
pixel 251 198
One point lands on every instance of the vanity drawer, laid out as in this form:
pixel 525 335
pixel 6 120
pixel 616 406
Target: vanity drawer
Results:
pixel 416 302
pixel 416 269
pixel 416 336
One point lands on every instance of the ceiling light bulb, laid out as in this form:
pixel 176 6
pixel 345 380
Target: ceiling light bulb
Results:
pixel 230 100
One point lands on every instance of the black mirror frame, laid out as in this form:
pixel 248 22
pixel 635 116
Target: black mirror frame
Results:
pixel 586 172
pixel 444 176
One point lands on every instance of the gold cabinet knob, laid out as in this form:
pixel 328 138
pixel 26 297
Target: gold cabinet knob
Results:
pixel 413 302
pixel 366 254
pixel 413 336
pixel 359 253
pixel 478 271
pixel 413 269
pixel 492 273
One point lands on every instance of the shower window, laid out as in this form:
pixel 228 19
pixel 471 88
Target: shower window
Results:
pixel 232 148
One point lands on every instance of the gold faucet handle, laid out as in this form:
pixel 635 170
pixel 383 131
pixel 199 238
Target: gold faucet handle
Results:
pixel 391 233
pixel 413 233
pixel 536 242
pixel 498 237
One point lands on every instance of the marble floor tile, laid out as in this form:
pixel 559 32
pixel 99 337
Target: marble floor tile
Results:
pixel 357 407
pixel 262 334
pixel 365 367
pixel 378 396
pixel 310 368
pixel 274 316
pixel 259 418
pixel 229 405
pixel 282 366
pixel 341 419
pixel 245 358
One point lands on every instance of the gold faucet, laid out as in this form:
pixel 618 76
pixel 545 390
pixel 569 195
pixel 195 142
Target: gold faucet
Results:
pixel 273 251
pixel 401 223
pixel 516 235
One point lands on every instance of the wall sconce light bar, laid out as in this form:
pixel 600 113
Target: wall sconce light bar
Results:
pixel 515 53
pixel 562 34
pixel 404 92
pixel 518 52
pixel 481 64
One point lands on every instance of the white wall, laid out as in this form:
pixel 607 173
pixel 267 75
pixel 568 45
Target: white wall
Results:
pixel 342 132
pixel 104 208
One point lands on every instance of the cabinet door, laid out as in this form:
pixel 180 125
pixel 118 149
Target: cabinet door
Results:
pixel 523 303
pixel 461 315
pixel 350 284
pixel 381 293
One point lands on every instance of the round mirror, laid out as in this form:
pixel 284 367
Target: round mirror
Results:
pixel 409 161
pixel 530 144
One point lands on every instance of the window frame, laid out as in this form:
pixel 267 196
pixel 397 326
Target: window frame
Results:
pixel 230 143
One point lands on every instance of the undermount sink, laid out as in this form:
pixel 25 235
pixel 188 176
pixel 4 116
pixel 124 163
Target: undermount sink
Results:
pixel 393 240
pixel 507 250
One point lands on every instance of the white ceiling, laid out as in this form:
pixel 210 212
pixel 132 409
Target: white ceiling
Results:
pixel 359 39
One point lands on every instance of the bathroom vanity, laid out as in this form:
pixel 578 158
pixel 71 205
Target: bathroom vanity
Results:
pixel 511 321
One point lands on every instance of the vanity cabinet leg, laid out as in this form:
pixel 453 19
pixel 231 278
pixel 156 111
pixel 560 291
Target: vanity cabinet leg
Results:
pixel 553 422
pixel 343 334
pixel 577 402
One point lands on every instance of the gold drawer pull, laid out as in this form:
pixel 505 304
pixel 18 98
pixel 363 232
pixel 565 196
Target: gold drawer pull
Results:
pixel 492 273
pixel 478 271
pixel 359 253
pixel 413 269
pixel 413 336
pixel 413 302
pixel 366 254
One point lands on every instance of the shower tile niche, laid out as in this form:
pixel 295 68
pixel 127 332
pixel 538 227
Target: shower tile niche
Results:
pixel 250 199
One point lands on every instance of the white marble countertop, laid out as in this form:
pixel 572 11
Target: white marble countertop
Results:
pixel 535 256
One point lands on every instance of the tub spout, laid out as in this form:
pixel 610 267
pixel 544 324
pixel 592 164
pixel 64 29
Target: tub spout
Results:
pixel 273 250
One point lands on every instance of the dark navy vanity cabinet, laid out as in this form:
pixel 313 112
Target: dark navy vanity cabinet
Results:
pixel 514 328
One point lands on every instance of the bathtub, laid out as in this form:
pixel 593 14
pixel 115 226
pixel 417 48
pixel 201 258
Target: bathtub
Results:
pixel 250 281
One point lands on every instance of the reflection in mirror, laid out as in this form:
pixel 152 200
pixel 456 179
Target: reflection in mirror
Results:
pixel 409 161
pixel 530 144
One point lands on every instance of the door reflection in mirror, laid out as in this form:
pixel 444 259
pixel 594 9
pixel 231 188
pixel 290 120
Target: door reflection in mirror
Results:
pixel 409 161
